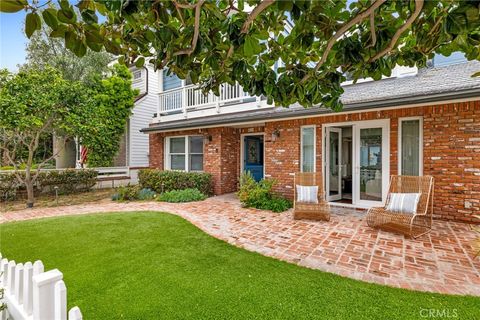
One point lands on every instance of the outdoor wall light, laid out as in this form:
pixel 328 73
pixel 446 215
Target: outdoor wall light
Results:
pixel 275 134
pixel 207 138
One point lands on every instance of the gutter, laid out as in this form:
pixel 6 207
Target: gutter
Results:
pixel 268 116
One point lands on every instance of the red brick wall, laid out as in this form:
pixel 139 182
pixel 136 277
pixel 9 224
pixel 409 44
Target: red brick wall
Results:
pixel 451 152
pixel 220 155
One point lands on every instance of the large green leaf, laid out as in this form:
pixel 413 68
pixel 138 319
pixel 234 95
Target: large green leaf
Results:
pixel 251 46
pixel 11 6
pixel 32 23
pixel 476 74
pixel 50 18
pixel 140 62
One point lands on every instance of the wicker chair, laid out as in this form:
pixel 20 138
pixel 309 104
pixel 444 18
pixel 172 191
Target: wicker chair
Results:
pixel 310 211
pixel 414 225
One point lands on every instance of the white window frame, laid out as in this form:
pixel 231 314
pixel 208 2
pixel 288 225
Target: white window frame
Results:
pixel 420 145
pixel 314 146
pixel 137 71
pixel 187 153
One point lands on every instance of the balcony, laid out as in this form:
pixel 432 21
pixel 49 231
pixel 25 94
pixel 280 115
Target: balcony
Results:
pixel 190 102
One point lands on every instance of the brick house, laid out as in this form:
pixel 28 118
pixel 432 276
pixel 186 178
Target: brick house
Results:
pixel 417 122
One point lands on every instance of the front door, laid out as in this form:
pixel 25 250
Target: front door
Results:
pixel 333 164
pixel 253 156
pixel 371 162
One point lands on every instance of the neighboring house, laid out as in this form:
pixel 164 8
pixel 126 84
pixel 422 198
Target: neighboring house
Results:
pixel 134 145
pixel 417 122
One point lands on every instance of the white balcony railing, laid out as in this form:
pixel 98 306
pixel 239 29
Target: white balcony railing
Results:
pixel 181 100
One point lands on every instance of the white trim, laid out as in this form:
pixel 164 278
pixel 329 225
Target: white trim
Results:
pixel 385 156
pixel 139 79
pixel 252 122
pixel 167 162
pixel 328 131
pixel 314 146
pixel 385 125
pixel 420 145
pixel 242 151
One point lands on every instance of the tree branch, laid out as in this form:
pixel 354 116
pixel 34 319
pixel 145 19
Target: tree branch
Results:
pixel 41 164
pixel 372 31
pixel 438 22
pixel 255 12
pixel 11 160
pixel 400 31
pixel 184 5
pixel 343 29
pixel 196 32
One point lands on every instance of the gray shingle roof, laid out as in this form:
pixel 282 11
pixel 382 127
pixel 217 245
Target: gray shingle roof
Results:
pixel 428 85
pixel 427 81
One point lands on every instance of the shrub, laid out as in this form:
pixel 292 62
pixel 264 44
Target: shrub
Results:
pixel 260 194
pixel 146 194
pixel 185 195
pixel 68 181
pixel 164 181
pixel 133 192
pixel 126 193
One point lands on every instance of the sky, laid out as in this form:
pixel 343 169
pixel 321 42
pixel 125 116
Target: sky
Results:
pixel 12 40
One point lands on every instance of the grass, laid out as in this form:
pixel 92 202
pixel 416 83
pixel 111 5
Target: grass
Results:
pixel 43 201
pixel 150 265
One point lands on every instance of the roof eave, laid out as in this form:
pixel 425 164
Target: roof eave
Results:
pixel 367 105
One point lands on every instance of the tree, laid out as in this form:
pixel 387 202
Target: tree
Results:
pixel 31 105
pixel 37 102
pixel 43 51
pixel 223 41
pixel 106 118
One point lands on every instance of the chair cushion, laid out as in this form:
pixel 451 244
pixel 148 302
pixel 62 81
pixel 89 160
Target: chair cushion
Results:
pixel 404 202
pixel 307 194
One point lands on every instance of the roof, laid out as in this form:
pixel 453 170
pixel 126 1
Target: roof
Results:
pixel 433 84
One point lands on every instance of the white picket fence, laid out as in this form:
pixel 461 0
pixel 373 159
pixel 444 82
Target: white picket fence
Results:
pixel 32 294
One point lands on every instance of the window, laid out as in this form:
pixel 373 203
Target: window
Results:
pixel 410 146
pixel 307 157
pixel 137 75
pixel 184 153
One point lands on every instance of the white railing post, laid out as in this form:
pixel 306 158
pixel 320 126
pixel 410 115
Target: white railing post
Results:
pixel 159 99
pixel 11 277
pixel 259 100
pixel 44 294
pixel 75 314
pixel 27 288
pixel 60 301
pixel 184 101
pixel 4 270
pixel 18 290
pixel 217 103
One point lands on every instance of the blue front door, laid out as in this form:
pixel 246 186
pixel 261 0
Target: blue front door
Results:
pixel 253 156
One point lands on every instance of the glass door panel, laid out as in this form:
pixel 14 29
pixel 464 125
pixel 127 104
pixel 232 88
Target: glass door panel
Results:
pixel 333 174
pixel 371 162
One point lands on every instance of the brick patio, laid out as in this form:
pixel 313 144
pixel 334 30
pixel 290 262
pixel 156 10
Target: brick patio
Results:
pixel 439 262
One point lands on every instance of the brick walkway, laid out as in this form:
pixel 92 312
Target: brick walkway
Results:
pixel 439 262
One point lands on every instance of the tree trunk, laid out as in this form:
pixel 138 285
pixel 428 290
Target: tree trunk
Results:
pixel 29 186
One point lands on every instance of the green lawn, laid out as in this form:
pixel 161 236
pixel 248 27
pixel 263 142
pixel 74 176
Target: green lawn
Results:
pixel 149 265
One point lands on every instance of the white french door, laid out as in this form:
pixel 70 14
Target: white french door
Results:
pixel 371 162
pixel 333 164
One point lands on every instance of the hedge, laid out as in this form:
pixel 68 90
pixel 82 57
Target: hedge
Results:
pixel 68 181
pixel 164 181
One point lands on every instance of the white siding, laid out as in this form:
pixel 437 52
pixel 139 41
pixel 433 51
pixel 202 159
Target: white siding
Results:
pixel 141 118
